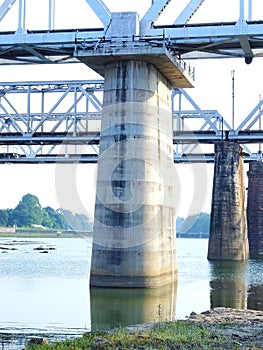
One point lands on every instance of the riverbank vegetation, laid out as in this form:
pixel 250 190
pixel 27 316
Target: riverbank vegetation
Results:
pixel 218 328
pixel 31 216
pixel 170 335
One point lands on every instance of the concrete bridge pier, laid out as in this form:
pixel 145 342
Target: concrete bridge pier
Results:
pixel 228 226
pixel 134 229
pixel 255 208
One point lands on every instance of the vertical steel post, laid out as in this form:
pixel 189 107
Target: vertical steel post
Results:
pixel 51 14
pixel 180 112
pixel 29 125
pixel 75 111
pixel 250 10
pixel 42 108
pixel 21 15
pixel 241 10
pixel 233 98
pixel 87 114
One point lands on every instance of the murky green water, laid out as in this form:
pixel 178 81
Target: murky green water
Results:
pixel 48 293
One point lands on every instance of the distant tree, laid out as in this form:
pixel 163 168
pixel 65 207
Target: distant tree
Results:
pixel 69 219
pixel 46 219
pixel 179 224
pixel 60 219
pixel 78 222
pixel 27 212
pixel 196 223
pixel 83 222
pixel 4 217
pixel 53 218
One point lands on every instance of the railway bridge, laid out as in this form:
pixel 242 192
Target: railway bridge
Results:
pixel 143 64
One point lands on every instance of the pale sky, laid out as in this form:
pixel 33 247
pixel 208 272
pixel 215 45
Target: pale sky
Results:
pixel 213 90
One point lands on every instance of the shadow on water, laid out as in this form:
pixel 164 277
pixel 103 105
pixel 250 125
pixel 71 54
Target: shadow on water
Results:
pixel 228 284
pixel 111 307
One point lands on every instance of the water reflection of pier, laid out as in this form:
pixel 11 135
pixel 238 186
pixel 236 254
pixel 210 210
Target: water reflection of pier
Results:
pixel 228 284
pixel 128 306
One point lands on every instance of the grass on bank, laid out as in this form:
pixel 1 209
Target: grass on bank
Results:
pixel 170 335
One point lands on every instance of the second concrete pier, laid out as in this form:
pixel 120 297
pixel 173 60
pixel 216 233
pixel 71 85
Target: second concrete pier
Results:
pixel 255 208
pixel 228 227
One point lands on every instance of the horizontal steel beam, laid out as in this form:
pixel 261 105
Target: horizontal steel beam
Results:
pixel 191 137
pixel 249 136
pixel 204 40
pixel 93 159
pixel 93 138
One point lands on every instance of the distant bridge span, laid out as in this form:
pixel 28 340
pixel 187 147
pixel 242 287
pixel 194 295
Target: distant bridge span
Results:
pixel 59 121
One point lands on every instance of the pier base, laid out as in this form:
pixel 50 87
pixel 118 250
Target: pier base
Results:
pixel 255 209
pixel 228 226
pixel 134 228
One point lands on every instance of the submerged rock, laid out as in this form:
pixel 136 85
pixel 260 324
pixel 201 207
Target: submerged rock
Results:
pixel 43 248
pixel 8 248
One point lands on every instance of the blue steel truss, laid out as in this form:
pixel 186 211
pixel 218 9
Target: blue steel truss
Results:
pixel 67 129
pixel 183 37
pixel 59 121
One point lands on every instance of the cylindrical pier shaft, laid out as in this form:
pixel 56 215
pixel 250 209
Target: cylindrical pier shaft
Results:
pixel 134 229
pixel 228 226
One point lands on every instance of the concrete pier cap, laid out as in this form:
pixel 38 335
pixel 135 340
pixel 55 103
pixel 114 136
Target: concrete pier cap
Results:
pixel 122 42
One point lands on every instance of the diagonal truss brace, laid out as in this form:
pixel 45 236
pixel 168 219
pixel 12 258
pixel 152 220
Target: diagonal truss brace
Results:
pixel 5 7
pixel 251 119
pixel 188 11
pixel 101 10
pixel 152 15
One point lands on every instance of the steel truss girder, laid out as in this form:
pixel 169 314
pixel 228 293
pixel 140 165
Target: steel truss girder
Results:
pixel 197 40
pixel 39 118
pixel 62 124
pixel 188 41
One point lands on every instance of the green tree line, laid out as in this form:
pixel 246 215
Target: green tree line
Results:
pixel 29 212
pixel 196 223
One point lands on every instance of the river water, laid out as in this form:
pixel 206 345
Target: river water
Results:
pixel 48 293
